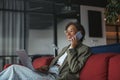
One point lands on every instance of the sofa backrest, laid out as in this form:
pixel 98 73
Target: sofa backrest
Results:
pixel 114 68
pixel 96 67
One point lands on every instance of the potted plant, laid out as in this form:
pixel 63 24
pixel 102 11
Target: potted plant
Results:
pixel 112 11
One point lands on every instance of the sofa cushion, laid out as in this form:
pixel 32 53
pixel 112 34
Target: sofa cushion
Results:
pixel 42 61
pixel 96 67
pixel 114 68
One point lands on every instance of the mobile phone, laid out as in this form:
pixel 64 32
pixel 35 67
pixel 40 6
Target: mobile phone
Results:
pixel 78 35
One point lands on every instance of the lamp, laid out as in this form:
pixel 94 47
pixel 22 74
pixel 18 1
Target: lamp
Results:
pixel 112 11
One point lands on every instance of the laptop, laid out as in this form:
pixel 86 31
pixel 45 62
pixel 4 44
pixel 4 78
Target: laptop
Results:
pixel 27 62
pixel 25 59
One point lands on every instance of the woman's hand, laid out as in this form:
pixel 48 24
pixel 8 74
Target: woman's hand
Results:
pixel 74 42
pixel 43 69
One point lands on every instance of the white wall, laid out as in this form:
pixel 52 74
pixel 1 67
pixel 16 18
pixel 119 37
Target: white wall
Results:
pixel 92 41
pixel 40 42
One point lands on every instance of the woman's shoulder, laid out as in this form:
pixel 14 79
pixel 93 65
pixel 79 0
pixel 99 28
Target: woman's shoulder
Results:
pixel 83 47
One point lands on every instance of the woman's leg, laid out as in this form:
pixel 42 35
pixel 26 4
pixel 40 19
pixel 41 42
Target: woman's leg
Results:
pixel 17 72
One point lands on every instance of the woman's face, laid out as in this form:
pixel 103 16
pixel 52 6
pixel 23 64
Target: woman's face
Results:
pixel 70 32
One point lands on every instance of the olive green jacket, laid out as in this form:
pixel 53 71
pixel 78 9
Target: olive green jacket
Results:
pixel 74 62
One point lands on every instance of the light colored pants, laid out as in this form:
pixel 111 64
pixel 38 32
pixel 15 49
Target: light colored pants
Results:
pixel 18 72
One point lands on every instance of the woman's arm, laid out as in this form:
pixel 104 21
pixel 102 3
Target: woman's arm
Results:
pixel 77 58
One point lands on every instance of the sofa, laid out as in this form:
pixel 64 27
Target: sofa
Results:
pixel 99 66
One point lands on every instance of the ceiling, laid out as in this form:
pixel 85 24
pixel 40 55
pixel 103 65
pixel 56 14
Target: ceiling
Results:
pixel 41 11
pixel 101 3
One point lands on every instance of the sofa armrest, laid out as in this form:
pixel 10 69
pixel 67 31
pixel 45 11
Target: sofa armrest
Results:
pixel 6 66
pixel 38 62
pixel 42 61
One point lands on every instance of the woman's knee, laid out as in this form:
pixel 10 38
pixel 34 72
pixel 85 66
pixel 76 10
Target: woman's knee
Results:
pixel 14 66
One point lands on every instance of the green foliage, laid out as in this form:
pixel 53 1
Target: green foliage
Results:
pixel 112 11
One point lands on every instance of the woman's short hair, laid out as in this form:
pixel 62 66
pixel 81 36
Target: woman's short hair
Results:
pixel 78 26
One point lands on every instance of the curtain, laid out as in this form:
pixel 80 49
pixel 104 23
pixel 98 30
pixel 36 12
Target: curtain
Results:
pixel 12 26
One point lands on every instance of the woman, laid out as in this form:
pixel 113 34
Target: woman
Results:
pixel 66 66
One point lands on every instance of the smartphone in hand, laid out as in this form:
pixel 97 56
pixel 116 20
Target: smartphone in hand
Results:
pixel 78 35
